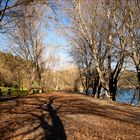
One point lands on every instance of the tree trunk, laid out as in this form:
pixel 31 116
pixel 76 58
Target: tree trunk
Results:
pixel 86 87
pixel 75 86
pixel 113 87
pixel 95 85
pixel 40 85
pixel 99 90
pixel 133 98
pixel 138 76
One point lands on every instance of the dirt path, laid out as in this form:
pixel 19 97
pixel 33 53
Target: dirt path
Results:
pixel 61 116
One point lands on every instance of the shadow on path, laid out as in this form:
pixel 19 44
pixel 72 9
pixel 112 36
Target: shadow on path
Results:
pixel 38 119
pixel 56 130
pixel 4 99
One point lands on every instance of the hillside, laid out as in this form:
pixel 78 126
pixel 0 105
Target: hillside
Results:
pixel 61 116
pixel 128 79
pixel 13 72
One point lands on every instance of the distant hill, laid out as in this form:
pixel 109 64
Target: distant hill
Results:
pixel 12 70
pixel 128 79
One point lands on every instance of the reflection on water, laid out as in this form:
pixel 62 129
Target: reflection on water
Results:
pixel 127 95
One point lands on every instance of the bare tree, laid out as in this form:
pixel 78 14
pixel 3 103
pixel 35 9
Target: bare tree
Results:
pixel 101 26
pixel 115 41
pixel 132 23
pixel 85 66
pixel 9 10
pixel 26 42
pixel 84 18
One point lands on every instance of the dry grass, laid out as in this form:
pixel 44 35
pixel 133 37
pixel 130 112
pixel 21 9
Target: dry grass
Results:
pixel 60 116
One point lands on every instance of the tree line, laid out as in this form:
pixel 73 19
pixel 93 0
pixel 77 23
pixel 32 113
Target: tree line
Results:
pixel 104 37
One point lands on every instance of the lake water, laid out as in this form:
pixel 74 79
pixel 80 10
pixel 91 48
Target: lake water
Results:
pixel 126 95
pixel 123 95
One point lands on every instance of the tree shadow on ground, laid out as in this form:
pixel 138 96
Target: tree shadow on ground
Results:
pixel 56 130
pixel 43 117
pixel 4 99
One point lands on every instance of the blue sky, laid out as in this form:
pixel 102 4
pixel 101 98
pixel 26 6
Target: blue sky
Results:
pixel 3 43
pixel 55 42
pixel 52 40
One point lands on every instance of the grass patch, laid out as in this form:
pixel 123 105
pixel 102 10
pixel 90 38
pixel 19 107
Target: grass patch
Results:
pixel 13 91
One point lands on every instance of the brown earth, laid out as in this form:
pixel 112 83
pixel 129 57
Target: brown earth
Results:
pixel 61 116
